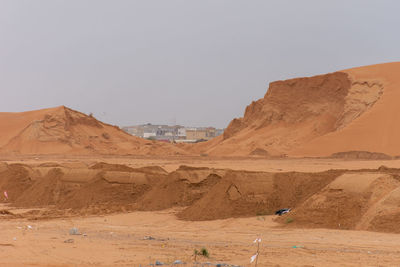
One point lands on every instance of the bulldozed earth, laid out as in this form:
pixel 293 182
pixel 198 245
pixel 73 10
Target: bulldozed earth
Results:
pixel 143 210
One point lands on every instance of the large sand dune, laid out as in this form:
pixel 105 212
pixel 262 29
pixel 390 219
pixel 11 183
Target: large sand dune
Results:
pixel 350 110
pixel 65 131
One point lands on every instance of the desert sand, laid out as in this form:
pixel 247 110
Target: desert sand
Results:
pixel 187 210
pixel 62 130
pixel 124 240
pixel 344 111
pixel 323 146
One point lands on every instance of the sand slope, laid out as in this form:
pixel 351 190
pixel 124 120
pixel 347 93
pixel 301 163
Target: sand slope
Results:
pixel 366 199
pixel 350 110
pixel 65 131
pixel 377 130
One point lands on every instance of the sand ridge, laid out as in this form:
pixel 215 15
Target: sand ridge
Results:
pixel 349 110
pixel 339 199
pixel 62 130
pixel 344 114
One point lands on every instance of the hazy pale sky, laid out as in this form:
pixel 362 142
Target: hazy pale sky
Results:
pixel 196 63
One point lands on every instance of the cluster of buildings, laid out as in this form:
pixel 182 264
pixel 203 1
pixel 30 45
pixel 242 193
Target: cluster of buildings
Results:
pixel 177 133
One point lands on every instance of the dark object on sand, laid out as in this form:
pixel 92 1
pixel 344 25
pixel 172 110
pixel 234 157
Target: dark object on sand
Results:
pixel 282 211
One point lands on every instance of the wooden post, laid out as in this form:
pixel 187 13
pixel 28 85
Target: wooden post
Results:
pixel 258 252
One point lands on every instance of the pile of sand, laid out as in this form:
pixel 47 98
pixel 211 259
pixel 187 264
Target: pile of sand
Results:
pixel 48 190
pixel 363 199
pixel 350 110
pixel 243 193
pixel 14 179
pixel 360 155
pixel 84 190
pixel 181 188
pixel 65 131
pixel 357 200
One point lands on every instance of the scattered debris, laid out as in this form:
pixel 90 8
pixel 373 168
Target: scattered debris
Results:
pixel 255 256
pixel 69 241
pixel 159 263
pixel 282 211
pixel 74 231
pixel 149 238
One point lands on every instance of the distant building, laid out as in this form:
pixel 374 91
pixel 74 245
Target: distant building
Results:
pixel 175 133
pixel 182 133
pixel 200 133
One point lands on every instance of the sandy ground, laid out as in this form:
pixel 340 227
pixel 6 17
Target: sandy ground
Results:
pixel 121 240
pixel 246 163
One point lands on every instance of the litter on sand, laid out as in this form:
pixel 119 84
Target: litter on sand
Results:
pixel 282 211
pixel 74 231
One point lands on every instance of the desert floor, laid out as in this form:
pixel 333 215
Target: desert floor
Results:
pixel 124 240
pixel 142 238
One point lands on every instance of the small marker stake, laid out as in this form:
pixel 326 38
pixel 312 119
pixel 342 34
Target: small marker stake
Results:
pixel 255 256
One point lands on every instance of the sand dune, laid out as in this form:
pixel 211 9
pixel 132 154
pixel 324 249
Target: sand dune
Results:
pixel 349 110
pixel 65 131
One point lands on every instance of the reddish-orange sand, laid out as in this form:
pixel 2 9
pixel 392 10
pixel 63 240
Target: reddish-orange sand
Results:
pixel 63 169
pixel 349 110
pixel 121 240
pixel 65 131
pixel 363 199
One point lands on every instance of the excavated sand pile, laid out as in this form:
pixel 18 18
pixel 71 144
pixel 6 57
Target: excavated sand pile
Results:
pixel 348 111
pixel 181 188
pixel 242 193
pixel 340 199
pixel 65 131
pixel 352 201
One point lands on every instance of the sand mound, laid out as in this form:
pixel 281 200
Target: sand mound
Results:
pixel 65 131
pixel 360 155
pixel 44 192
pixel 15 180
pixel 82 191
pixel 110 167
pixel 352 201
pixel 260 152
pixel 241 193
pixel 123 168
pixel 180 188
pixel 363 199
pixel 350 110
pixel 101 196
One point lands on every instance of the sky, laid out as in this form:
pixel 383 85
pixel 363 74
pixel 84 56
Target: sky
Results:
pixel 194 63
